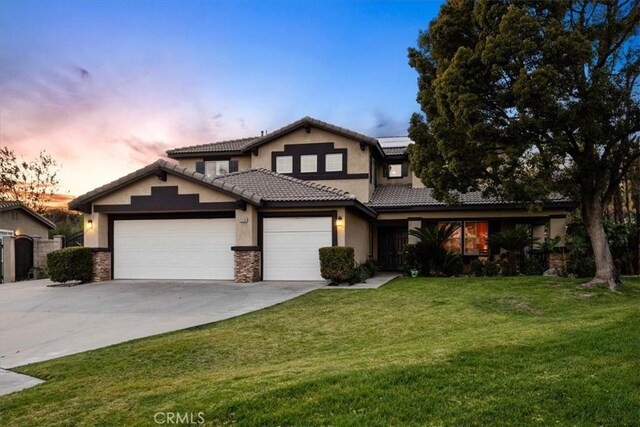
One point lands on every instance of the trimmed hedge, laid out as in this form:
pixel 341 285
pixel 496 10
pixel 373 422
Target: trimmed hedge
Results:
pixel 337 263
pixel 70 264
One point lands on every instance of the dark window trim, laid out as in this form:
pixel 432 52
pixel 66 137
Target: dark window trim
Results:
pixel 320 149
pixel 275 163
pixel 389 173
pixel 344 163
pixel 308 173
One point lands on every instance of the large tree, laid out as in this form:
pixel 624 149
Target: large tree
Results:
pixel 33 183
pixel 524 99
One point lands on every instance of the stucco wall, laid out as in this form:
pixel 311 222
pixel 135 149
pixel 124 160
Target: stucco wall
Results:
pixel 357 235
pixel 247 226
pixel 392 181
pixel 143 188
pixel 357 159
pixel 22 223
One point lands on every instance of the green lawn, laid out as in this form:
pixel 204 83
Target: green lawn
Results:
pixel 463 351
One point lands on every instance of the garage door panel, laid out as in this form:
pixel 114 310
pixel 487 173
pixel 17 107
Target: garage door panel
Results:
pixel 290 247
pixel 174 249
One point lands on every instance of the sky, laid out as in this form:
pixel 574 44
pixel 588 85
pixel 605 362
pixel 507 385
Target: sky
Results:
pixel 107 86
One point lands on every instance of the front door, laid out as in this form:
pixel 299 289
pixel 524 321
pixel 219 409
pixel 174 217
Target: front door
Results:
pixel 392 241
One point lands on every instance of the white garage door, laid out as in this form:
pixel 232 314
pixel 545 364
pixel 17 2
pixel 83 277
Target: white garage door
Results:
pixel 290 247
pixel 174 249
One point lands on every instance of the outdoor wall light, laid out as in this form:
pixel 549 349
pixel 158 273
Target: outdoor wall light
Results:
pixel 339 222
pixel 90 224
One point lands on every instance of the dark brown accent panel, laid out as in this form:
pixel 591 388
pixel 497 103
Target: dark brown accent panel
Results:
pixel 319 149
pixel 166 199
pixel 245 248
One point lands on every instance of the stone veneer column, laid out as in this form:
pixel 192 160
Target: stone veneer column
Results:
pixel 246 264
pixel 101 264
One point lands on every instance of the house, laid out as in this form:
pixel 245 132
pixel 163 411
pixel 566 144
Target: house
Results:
pixel 24 241
pixel 17 219
pixel 259 208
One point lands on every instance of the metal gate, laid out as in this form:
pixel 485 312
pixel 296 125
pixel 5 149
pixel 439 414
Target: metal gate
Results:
pixel 24 257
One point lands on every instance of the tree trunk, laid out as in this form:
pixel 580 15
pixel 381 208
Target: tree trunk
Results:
pixel 592 212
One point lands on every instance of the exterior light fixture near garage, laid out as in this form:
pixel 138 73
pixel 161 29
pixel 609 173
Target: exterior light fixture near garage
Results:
pixel 339 222
pixel 90 224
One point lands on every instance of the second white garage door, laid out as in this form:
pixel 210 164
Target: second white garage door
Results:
pixel 290 247
pixel 174 249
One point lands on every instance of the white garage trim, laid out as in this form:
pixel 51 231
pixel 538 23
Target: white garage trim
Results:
pixel 290 246
pixel 198 248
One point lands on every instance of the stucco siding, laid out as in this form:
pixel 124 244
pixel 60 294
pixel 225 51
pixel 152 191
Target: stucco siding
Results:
pixel 20 222
pixel 357 235
pixel 357 160
pixel 143 188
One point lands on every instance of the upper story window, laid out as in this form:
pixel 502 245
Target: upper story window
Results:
pixel 217 167
pixel 284 164
pixel 308 163
pixel 333 162
pixel 395 170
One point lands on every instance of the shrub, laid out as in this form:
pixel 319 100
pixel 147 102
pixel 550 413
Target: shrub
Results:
pixel 429 256
pixel 38 273
pixel 478 267
pixel 360 274
pixel 492 268
pixel 580 265
pixel 533 267
pixel 371 267
pixel 70 264
pixel 337 263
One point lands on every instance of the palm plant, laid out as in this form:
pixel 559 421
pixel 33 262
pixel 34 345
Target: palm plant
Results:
pixel 514 241
pixel 429 255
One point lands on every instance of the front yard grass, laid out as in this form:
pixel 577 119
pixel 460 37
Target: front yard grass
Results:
pixel 454 351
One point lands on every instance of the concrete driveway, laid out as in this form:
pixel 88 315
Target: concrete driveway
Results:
pixel 40 323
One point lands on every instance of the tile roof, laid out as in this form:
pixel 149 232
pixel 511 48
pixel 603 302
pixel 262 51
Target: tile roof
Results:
pixel 7 205
pixel 245 144
pixel 396 196
pixel 274 187
pixel 254 185
pixel 394 151
pixel 232 145
pixel 320 124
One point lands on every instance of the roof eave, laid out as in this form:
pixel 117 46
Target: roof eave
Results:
pixel 83 203
pixel 205 154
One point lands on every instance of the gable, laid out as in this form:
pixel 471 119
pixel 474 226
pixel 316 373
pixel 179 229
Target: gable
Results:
pixel 318 141
pixel 151 194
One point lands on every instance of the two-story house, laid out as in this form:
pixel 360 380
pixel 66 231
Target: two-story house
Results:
pixel 259 208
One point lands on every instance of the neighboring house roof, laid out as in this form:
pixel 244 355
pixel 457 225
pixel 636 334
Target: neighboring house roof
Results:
pixel 244 145
pixel 404 196
pixel 11 205
pixel 230 146
pixel 256 186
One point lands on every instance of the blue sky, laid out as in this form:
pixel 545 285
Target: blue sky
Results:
pixel 108 86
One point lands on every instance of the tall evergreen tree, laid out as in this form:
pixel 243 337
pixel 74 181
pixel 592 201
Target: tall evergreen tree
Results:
pixel 524 99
